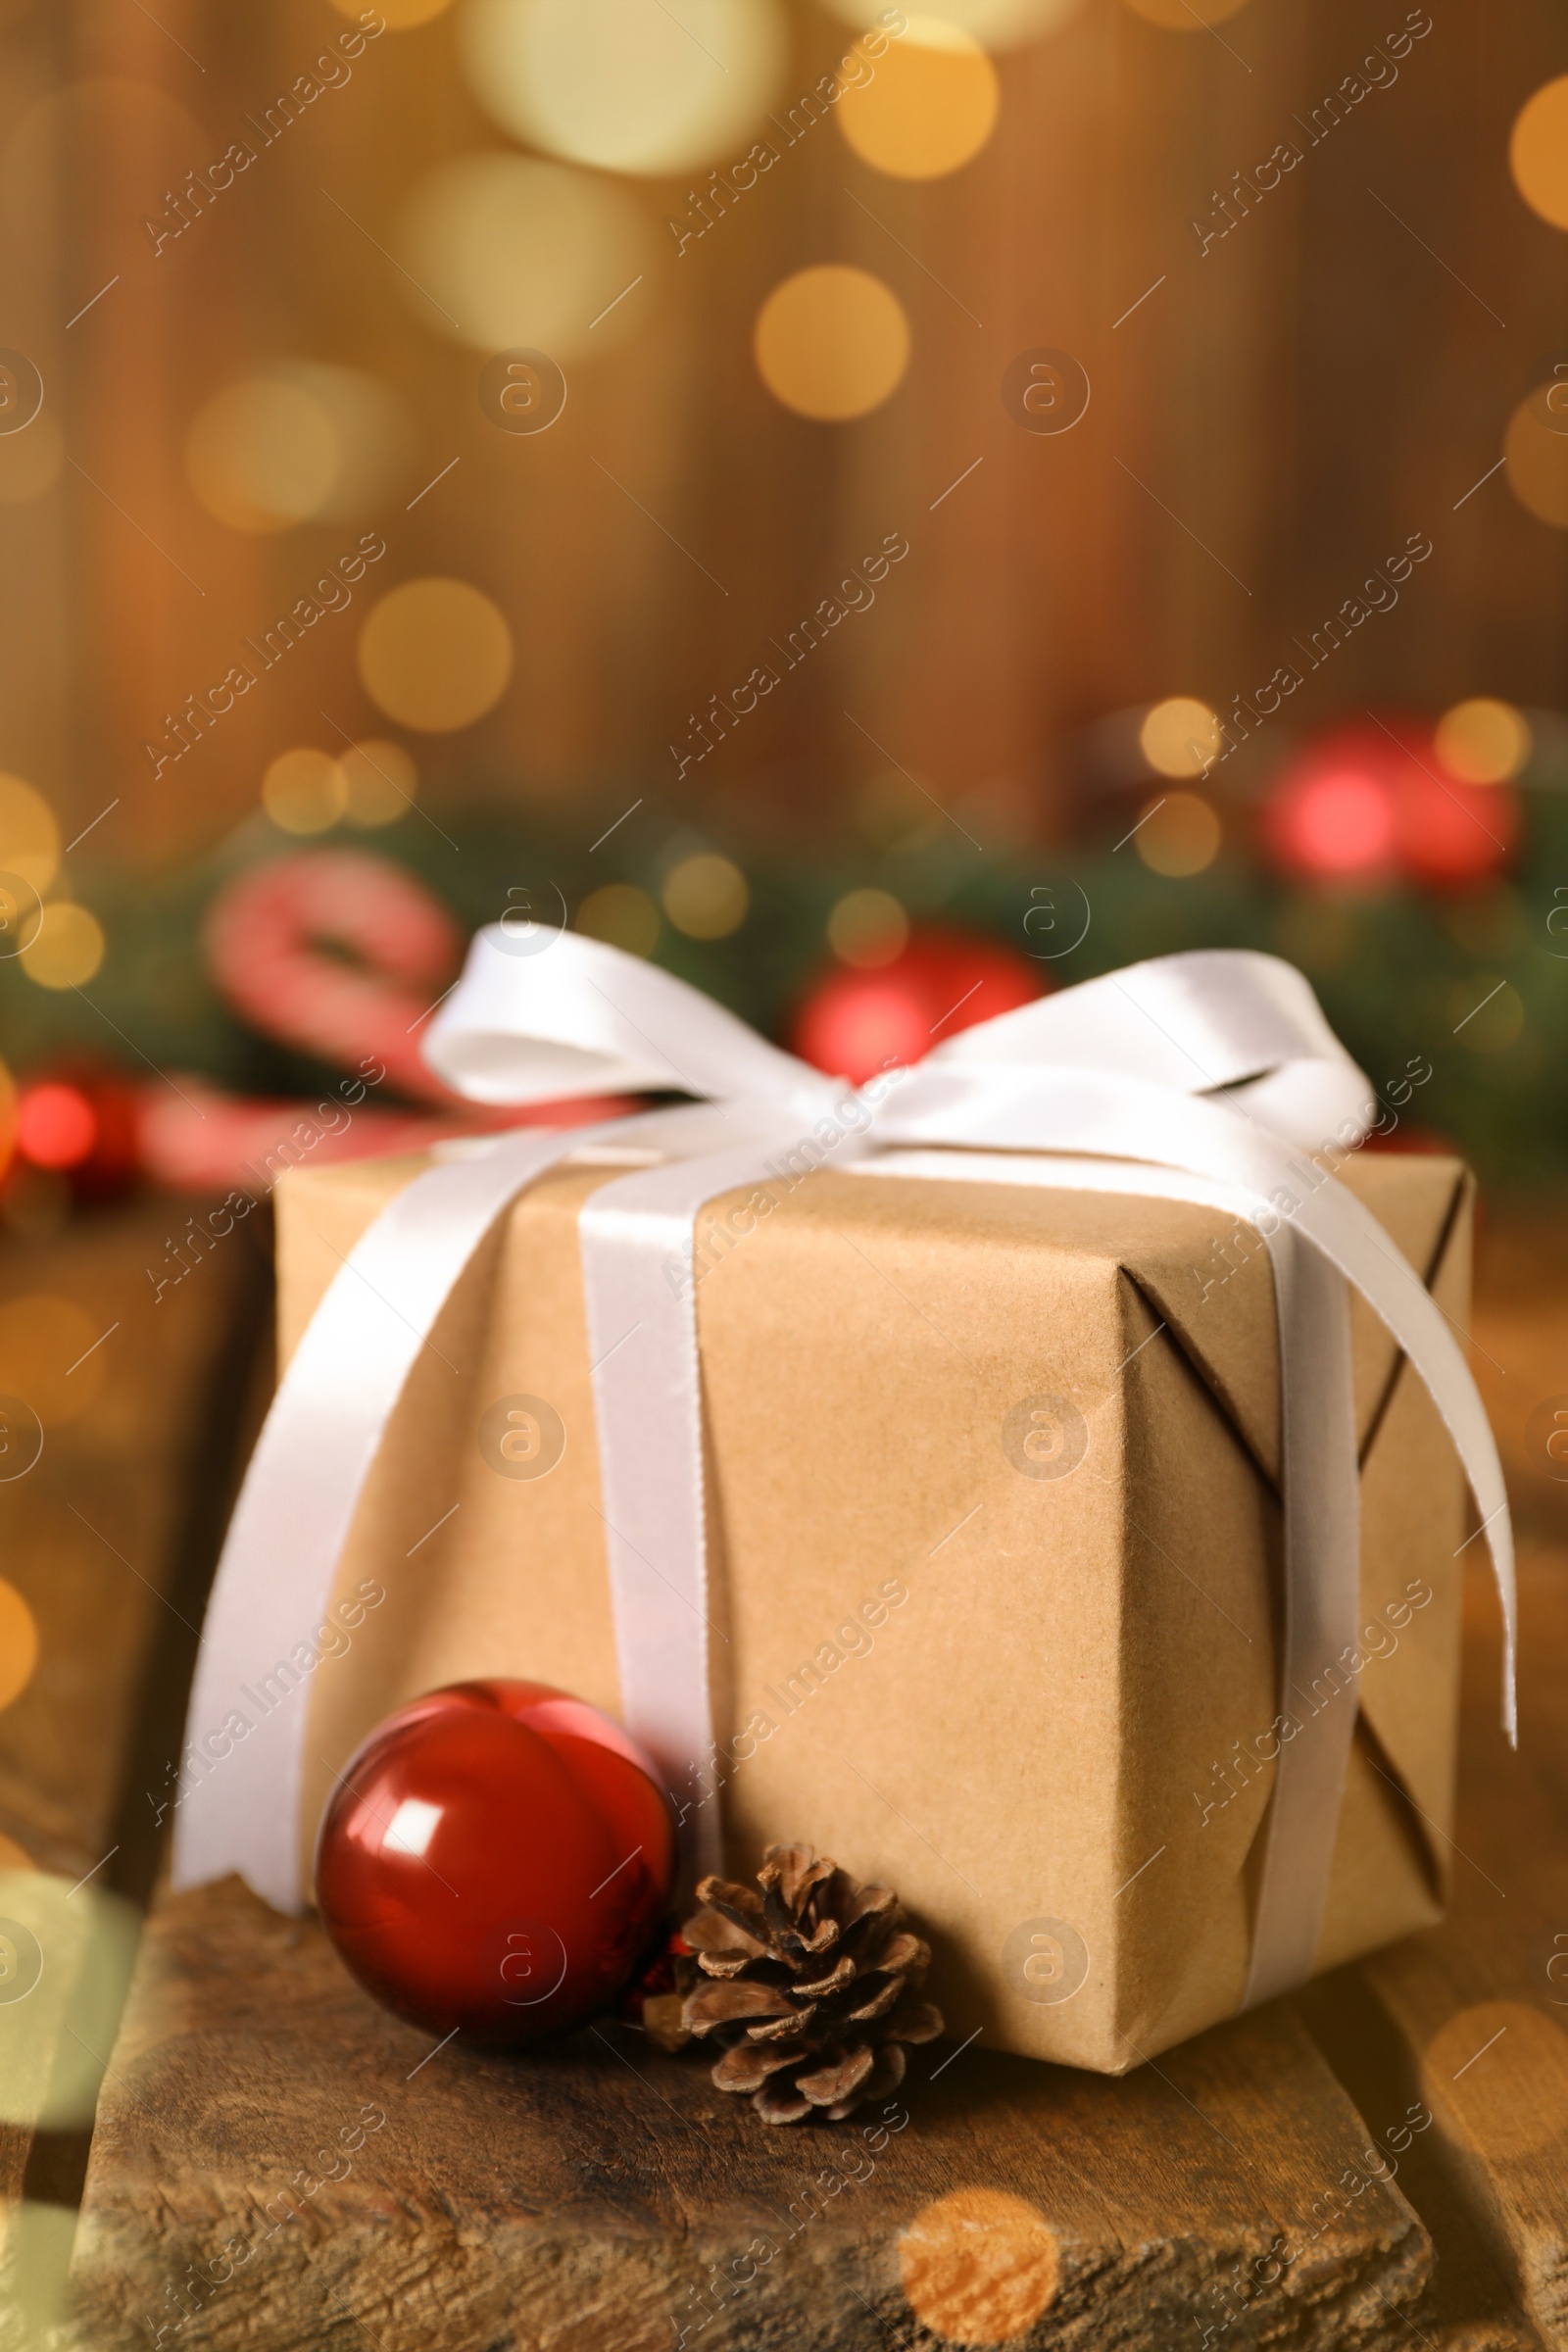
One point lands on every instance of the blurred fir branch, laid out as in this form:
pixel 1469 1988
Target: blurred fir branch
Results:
pixel 1400 973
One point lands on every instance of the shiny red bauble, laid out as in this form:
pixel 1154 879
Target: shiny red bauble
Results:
pixel 496 1857
pixel 1373 803
pixel 856 1023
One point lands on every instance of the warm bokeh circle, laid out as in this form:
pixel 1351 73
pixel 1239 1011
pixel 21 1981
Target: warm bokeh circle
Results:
pixel 1537 152
pixel 832 342
pixel 1536 450
pixel 979 2265
pixel 435 654
pixel 929 106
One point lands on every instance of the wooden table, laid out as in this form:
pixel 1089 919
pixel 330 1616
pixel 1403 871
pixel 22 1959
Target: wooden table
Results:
pixel 607 2196
pixel 607 2199
pixel 110 1539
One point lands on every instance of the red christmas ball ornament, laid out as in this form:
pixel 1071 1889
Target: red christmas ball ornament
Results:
pixel 497 1857
pixel 855 1023
pixel 81 1120
pixel 1374 804
pixel 1454 834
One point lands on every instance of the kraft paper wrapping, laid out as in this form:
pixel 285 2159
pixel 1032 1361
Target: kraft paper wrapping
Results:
pixel 996 1561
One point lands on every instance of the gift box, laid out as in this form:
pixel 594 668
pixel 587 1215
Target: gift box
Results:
pixel 995 1558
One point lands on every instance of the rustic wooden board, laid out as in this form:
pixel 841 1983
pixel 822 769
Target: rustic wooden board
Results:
pixel 607 2195
pixel 110 1538
pixel 1478 2008
pixel 1497 2213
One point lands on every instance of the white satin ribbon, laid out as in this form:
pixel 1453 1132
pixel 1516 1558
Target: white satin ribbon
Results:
pixel 1198 1076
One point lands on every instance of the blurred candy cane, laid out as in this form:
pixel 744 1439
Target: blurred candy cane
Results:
pixel 269 937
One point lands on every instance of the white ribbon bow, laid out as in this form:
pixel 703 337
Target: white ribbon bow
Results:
pixel 1217 1067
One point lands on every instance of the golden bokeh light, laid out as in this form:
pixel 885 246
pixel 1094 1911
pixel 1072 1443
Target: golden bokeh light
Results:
pixel 1178 834
pixel 626 85
pixel 513 253
pixel 50 1356
pixel 1503 2066
pixel 382 781
pixel 831 342
pixel 1537 458
pixel 52 2064
pixel 979 2265
pixel 31 461
pixel 39 2236
pixel 262 455
pixel 1482 741
pixel 67 947
pixel 401 16
pixel 706 895
pixel 305 791
pixel 996 23
pixel 371 427
pixel 29 837
pixel 868 928
pixel 1537 152
pixel 1180 736
pixel 435 654
pixel 930 106
pixel 1185 16
pixel 298 441
pixel 19 1648
pixel 623 915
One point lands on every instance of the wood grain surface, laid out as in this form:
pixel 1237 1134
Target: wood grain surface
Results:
pixel 1478 2009
pixel 109 1538
pixel 1472 2020
pixel 606 2196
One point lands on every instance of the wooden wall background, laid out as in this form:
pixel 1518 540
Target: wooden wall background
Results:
pixel 1301 398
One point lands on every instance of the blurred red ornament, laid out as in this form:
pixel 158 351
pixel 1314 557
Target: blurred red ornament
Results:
pixel 497 1857
pixel 1374 804
pixel 56 1126
pixel 81 1120
pixel 855 1023
pixel 1454 834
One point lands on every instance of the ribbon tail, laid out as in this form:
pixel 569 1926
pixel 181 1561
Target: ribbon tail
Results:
pixel 297 1505
pixel 1321 1487
pixel 1354 1242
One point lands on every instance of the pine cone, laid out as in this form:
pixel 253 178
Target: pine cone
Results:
pixel 817 1975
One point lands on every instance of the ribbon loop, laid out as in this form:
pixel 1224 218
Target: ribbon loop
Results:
pixel 580 1018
